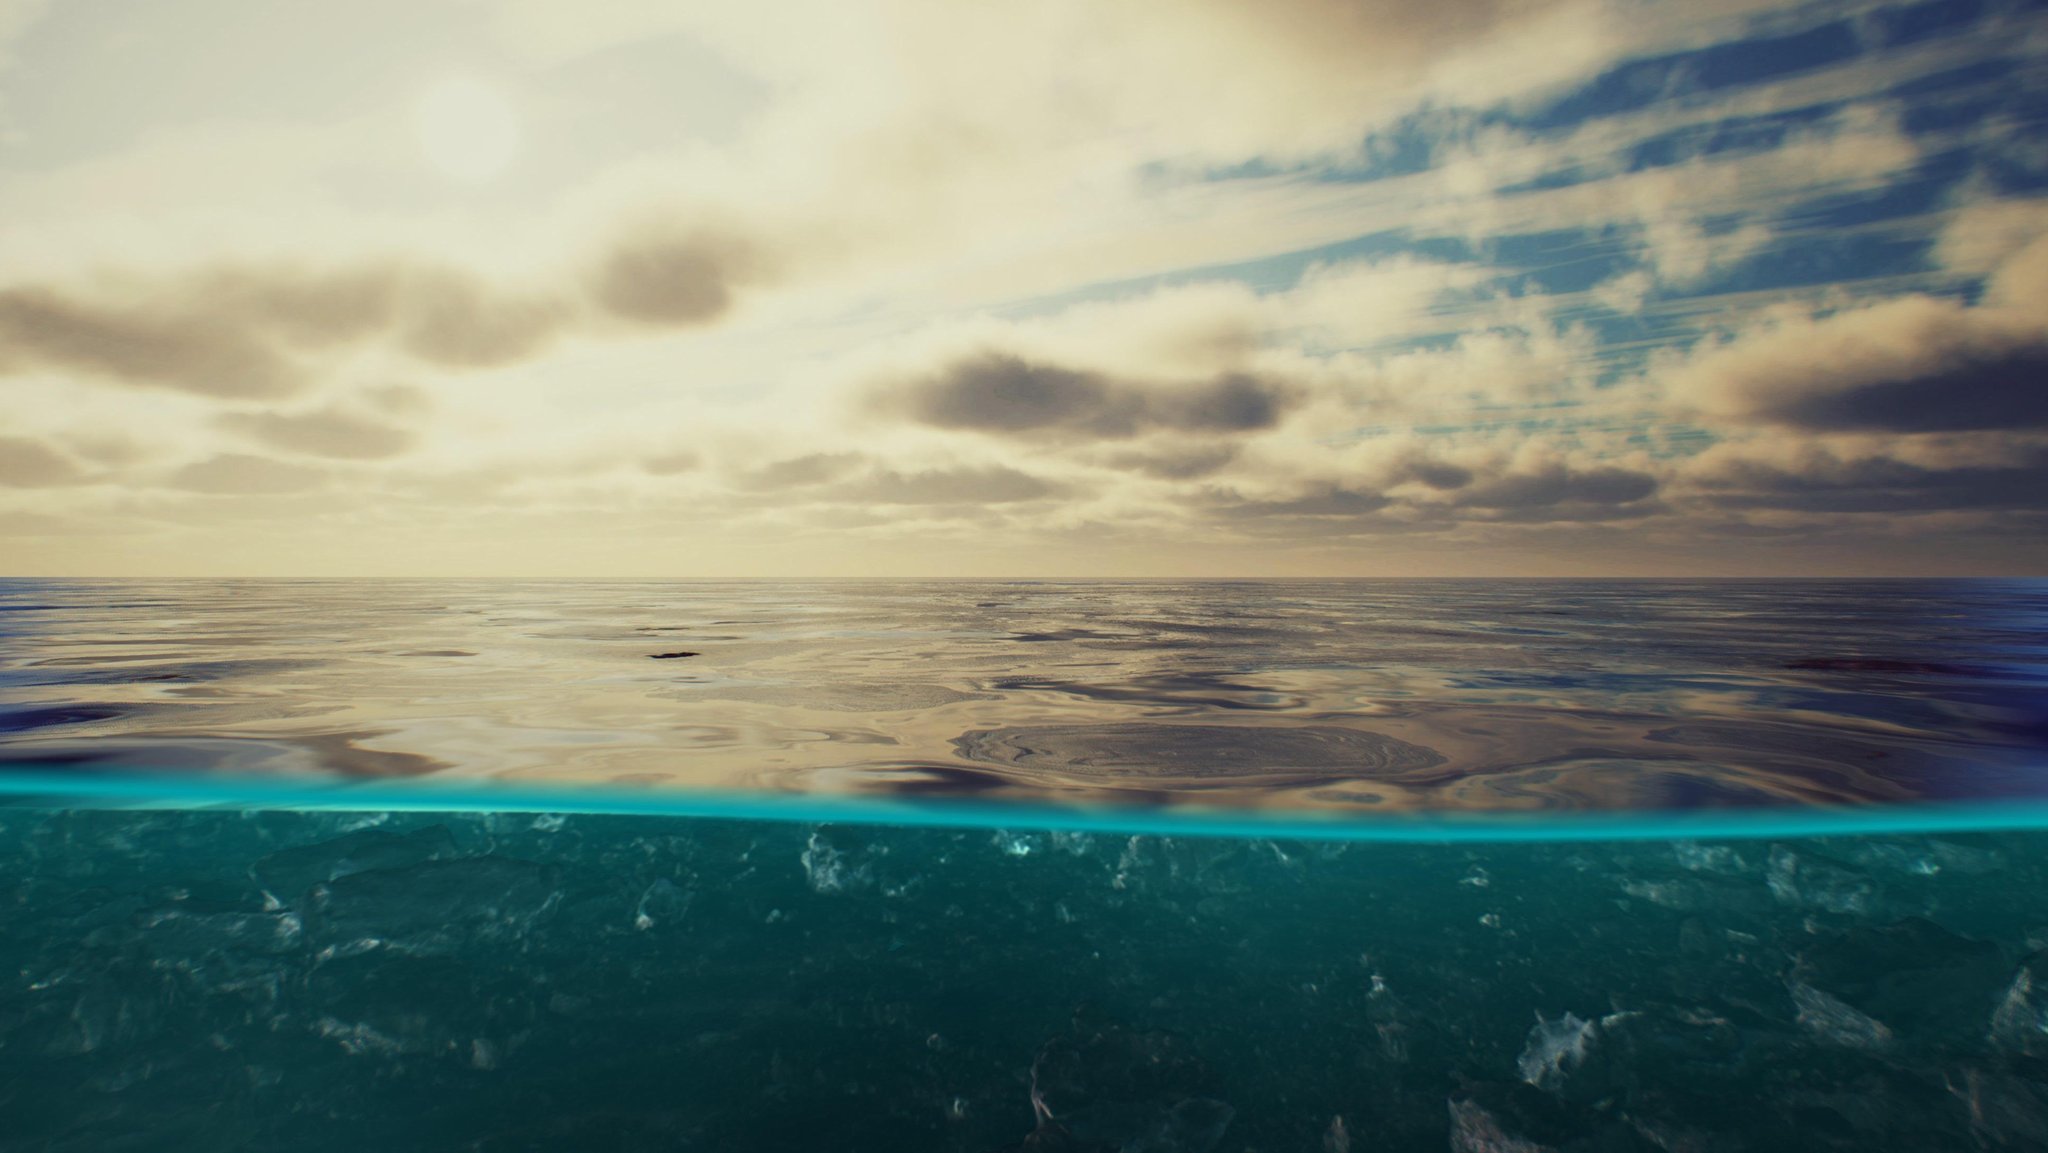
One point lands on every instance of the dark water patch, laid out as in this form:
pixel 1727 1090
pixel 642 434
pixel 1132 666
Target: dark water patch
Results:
pixel 26 720
pixel 672 656
pixel 922 780
pixel 341 753
pixel 1885 665
pixel 1071 634
pixel 338 755
pixel 158 667
pixel 1103 1086
pixel 1911 978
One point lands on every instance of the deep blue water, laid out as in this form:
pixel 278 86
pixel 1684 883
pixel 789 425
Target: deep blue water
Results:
pixel 1338 867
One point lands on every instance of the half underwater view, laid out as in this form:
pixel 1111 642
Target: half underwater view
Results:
pixel 1486 866
pixel 1082 576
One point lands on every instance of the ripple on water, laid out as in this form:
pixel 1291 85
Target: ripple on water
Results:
pixel 1147 754
pixel 845 697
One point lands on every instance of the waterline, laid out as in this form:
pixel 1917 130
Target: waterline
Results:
pixel 70 790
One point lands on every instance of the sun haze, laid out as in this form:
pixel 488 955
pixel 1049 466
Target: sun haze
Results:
pixel 467 129
pixel 1462 287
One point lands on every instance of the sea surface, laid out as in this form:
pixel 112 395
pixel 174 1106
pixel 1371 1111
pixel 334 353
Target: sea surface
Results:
pixel 1371 697
pixel 1041 867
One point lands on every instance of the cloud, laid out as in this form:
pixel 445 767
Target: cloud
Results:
pixel 1180 462
pixel 1210 74
pixel 1338 339
pixel 670 463
pixel 1008 395
pixel 448 319
pixel 246 333
pixel 397 399
pixel 1552 485
pixel 990 484
pixel 30 464
pixel 1912 364
pixel 801 471
pixel 674 281
pixel 1409 493
pixel 166 346
pixel 261 332
pixel 1820 479
pixel 1329 501
pixel 1440 475
pixel 238 474
pixel 1983 235
pixel 330 432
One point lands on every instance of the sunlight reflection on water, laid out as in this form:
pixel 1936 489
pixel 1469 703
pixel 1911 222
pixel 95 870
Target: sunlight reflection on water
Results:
pixel 1374 695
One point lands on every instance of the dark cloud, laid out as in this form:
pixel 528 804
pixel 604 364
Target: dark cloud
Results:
pixel 1331 501
pixel 1911 364
pixel 258 332
pixel 328 432
pixel 1558 484
pixel 1551 493
pixel 30 464
pixel 672 281
pixel 2007 389
pixel 439 315
pixel 1439 475
pixel 307 307
pixel 1006 394
pixel 451 320
pixel 166 346
pixel 242 475
pixel 1880 484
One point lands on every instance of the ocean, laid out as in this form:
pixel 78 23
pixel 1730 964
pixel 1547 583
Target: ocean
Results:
pixel 1479 866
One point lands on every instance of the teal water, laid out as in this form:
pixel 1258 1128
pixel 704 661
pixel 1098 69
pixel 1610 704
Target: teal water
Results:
pixel 1485 867
pixel 233 978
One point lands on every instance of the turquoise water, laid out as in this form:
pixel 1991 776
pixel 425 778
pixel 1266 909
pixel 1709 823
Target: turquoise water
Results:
pixel 227 978
pixel 1486 867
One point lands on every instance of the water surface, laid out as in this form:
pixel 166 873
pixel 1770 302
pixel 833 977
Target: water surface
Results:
pixel 1371 696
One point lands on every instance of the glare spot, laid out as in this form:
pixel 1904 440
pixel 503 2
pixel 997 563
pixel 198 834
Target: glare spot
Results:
pixel 467 129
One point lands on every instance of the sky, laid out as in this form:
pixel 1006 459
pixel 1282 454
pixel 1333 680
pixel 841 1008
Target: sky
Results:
pixel 1073 288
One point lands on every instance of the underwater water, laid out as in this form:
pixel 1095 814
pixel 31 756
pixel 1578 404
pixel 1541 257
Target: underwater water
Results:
pixel 229 980
pixel 1485 867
